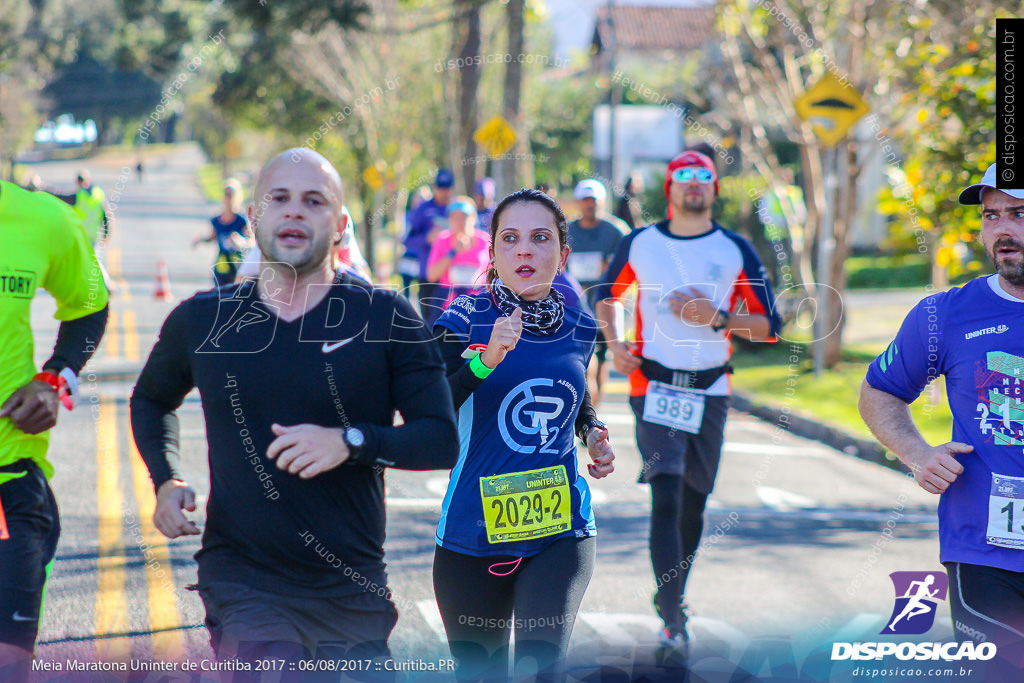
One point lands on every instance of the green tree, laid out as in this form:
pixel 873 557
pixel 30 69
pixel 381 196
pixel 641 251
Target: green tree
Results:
pixel 944 119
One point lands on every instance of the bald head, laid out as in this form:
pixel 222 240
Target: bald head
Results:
pixel 304 159
pixel 297 210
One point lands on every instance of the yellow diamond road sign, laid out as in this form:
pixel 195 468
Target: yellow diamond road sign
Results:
pixel 373 178
pixel 496 136
pixel 831 108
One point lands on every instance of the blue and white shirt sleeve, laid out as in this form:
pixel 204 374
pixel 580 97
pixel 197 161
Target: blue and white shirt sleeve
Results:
pixel 456 319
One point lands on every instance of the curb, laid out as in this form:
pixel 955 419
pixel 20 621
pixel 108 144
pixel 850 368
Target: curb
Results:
pixel 809 428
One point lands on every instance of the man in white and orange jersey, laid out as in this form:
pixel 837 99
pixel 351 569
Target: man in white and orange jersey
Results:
pixel 698 283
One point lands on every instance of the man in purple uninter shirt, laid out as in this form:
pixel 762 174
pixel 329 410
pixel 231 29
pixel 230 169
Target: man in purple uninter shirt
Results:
pixel 974 335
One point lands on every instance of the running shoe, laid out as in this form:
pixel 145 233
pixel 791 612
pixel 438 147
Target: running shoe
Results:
pixel 674 635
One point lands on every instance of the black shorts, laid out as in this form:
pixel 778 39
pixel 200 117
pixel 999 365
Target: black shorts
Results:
pixel 251 625
pixel 33 529
pixel 672 451
pixel 987 605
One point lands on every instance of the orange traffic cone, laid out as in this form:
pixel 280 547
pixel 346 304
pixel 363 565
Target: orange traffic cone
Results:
pixel 163 282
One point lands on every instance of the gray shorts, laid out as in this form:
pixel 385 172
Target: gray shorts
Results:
pixel 672 451
pixel 255 626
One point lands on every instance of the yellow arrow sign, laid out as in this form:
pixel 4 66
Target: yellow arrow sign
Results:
pixel 831 108
pixel 496 136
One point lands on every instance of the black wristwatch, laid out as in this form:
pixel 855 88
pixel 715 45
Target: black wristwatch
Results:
pixel 587 426
pixel 355 440
pixel 723 317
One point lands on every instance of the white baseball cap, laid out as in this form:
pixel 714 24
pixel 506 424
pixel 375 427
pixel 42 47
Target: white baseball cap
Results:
pixel 590 188
pixel 972 194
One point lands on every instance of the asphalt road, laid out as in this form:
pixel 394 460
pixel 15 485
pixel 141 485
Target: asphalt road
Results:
pixel 799 542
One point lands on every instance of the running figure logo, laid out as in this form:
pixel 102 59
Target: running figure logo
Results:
pixel 236 313
pixel 917 594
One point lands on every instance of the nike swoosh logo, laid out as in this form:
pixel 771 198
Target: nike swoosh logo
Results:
pixel 17 617
pixel 328 348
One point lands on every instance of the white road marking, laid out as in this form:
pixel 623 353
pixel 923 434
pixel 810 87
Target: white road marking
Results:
pixel 721 630
pixel 783 500
pixel 609 625
pixel 610 628
pixel 769 449
pixel 414 503
pixel 431 615
pixel 438 485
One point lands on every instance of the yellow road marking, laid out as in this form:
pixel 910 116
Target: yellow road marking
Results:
pixel 131 336
pixel 164 617
pixel 616 386
pixel 111 603
pixel 113 262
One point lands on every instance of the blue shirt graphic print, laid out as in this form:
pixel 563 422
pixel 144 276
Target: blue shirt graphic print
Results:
pixel 974 336
pixel 519 419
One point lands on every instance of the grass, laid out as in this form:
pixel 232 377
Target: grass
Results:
pixel 767 376
pixel 882 272
pixel 210 182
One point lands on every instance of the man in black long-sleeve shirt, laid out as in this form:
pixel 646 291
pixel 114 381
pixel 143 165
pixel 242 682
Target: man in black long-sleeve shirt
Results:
pixel 300 374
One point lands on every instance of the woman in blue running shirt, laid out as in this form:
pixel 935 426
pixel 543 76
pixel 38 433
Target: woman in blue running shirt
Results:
pixel 515 542
pixel 231 232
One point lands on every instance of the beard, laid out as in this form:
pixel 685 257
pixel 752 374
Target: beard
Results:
pixel 1010 269
pixel 696 204
pixel 311 257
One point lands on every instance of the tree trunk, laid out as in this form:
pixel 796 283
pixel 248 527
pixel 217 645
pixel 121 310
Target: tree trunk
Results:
pixel 846 206
pixel 467 31
pixel 846 198
pixel 508 179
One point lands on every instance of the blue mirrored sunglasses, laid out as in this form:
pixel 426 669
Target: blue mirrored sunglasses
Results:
pixel 685 175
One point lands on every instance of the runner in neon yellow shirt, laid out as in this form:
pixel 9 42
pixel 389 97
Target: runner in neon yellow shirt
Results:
pixel 42 246
pixel 89 203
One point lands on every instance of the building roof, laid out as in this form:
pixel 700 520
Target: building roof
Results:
pixel 655 28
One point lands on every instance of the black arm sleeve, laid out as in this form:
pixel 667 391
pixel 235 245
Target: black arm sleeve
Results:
pixel 163 384
pixel 156 433
pixel 461 380
pixel 587 412
pixel 428 438
pixel 77 340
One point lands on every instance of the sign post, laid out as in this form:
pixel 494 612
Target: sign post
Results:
pixel 831 108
